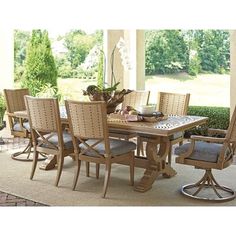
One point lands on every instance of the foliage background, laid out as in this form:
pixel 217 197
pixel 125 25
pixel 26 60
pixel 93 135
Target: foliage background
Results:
pixel 40 67
pixel 191 51
pixel 68 64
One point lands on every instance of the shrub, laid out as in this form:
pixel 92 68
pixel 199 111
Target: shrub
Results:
pixel 2 108
pixel 40 66
pixel 65 71
pixel 19 73
pixel 219 118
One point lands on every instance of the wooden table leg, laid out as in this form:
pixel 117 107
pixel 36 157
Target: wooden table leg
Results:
pixel 157 163
pixel 49 163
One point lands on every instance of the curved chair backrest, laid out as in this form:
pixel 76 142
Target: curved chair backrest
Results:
pixel 228 149
pixel 44 117
pixel 43 113
pixel 88 120
pixel 173 103
pixel 15 99
pixel 231 133
pixel 136 98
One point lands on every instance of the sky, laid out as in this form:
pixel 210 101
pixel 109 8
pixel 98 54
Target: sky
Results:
pixel 122 14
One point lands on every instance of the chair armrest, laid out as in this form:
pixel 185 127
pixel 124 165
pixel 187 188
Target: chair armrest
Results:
pixel 207 139
pixel 10 114
pixel 216 131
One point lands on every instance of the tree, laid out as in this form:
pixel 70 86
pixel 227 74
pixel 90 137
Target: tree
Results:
pixel 78 44
pixel 20 43
pixel 166 52
pixel 214 51
pixel 40 68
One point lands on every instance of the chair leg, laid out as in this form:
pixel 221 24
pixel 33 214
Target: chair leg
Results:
pixel 181 143
pixel 59 168
pixel 170 155
pixel 138 146
pixel 132 169
pixel 76 173
pixel 34 164
pixel 87 168
pixel 97 170
pixel 107 178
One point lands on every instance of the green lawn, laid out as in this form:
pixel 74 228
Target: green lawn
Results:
pixel 205 89
pixel 73 88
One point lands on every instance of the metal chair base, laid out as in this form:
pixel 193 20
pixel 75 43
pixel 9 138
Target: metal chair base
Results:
pixel 25 154
pixel 208 182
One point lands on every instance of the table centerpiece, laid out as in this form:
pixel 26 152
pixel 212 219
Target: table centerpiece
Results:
pixel 103 91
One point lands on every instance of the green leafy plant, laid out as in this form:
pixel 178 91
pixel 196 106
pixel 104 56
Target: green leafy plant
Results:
pixel 40 66
pixel 48 91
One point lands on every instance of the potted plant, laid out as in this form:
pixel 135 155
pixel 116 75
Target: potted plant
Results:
pixel 104 92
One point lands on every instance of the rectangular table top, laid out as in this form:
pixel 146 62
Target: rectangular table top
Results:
pixel 166 127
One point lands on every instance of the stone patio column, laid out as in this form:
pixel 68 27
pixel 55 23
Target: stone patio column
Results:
pixel 140 59
pixel 110 40
pixel 232 70
pixel 6 58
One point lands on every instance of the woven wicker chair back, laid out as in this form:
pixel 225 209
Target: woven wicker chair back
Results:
pixel 88 119
pixel 136 99
pixel 15 99
pixel 44 113
pixel 173 103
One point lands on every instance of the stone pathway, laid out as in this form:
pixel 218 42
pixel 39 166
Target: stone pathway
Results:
pixel 12 200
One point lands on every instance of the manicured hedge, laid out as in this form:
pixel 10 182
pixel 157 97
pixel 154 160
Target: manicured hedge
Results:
pixel 219 118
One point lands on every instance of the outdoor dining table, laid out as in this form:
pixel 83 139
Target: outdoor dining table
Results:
pixel 158 142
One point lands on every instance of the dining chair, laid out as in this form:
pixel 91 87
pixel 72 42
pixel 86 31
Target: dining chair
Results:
pixel 46 131
pixel 207 153
pixel 88 124
pixel 19 127
pixel 134 99
pixel 169 104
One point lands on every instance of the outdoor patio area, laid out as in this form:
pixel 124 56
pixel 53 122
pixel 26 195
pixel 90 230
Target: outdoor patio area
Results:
pixel 165 192
pixel 17 188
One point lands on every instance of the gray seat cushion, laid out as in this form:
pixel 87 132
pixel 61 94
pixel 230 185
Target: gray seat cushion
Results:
pixel 68 144
pixel 117 147
pixel 203 151
pixel 17 126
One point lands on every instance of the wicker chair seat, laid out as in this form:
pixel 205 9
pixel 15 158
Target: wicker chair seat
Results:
pixel 117 147
pixel 54 140
pixel 17 126
pixel 203 151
